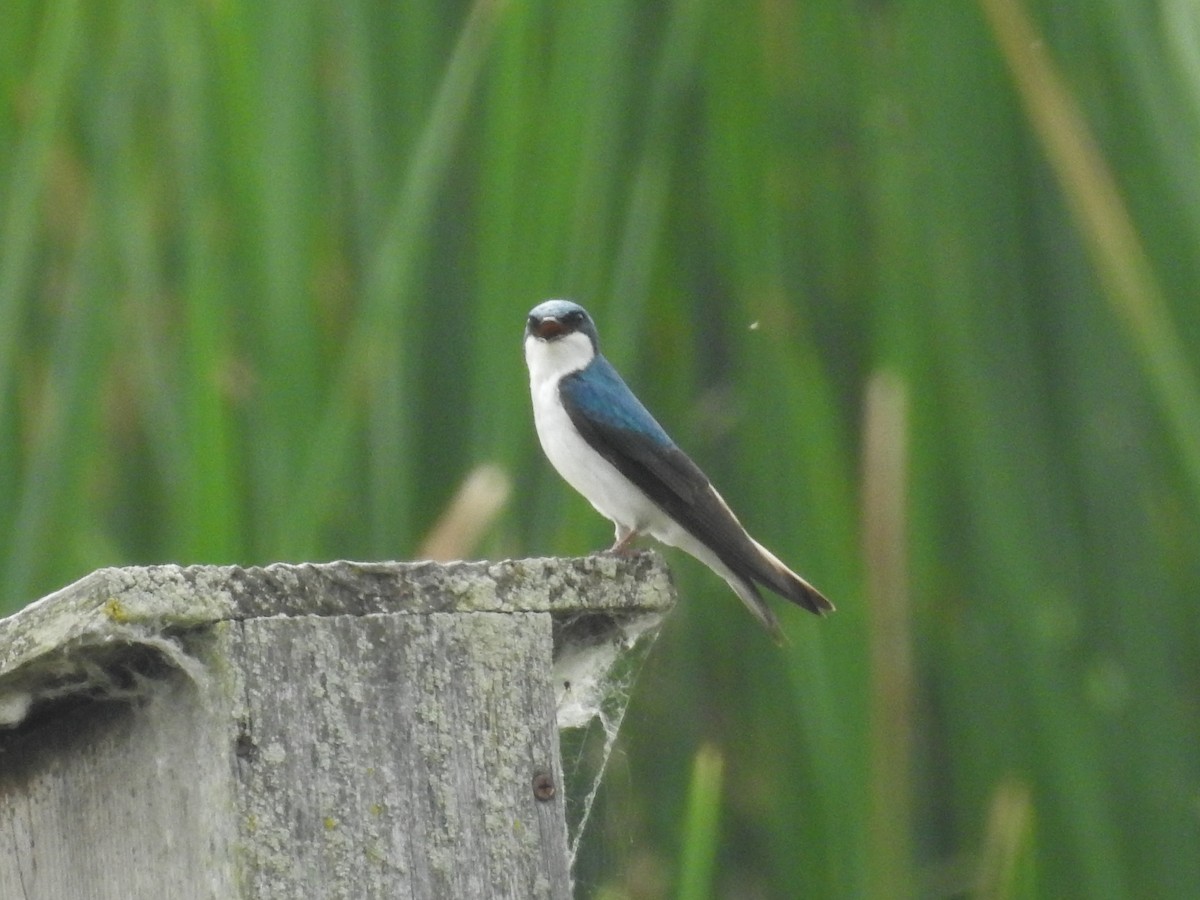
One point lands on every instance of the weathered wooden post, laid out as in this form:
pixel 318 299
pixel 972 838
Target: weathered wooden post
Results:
pixel 319 731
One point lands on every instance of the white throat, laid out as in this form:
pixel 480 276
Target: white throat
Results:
pixel 548 361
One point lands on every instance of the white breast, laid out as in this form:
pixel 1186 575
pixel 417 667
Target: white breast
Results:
pixel 610 492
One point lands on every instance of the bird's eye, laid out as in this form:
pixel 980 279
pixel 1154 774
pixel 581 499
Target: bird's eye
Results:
pixel 573 318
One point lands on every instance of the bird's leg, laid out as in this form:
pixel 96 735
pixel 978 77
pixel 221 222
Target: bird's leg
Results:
pixel 625 537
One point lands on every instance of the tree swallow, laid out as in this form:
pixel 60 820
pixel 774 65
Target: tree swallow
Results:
pixel 608 447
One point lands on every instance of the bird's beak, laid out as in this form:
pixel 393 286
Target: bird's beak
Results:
pixel 547 328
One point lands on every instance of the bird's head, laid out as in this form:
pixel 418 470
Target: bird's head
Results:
pixel 556 319
pixel 560 337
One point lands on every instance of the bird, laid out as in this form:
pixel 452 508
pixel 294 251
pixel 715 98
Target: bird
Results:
pixel 609 448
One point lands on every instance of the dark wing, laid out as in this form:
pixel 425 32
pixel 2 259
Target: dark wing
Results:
pixel 614 422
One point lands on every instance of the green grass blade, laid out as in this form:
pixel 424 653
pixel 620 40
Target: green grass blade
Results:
pixel 212 529
pixel 64 416
pixel 698 857
pixel 25 178
pixel 1117 251
pixel 375 363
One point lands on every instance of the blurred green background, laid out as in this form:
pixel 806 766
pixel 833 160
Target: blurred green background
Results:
pixel 914 280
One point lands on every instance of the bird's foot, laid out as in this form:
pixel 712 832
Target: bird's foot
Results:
pixel 623 547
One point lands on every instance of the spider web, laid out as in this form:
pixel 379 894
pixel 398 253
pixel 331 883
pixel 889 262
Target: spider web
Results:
pixel 597 661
